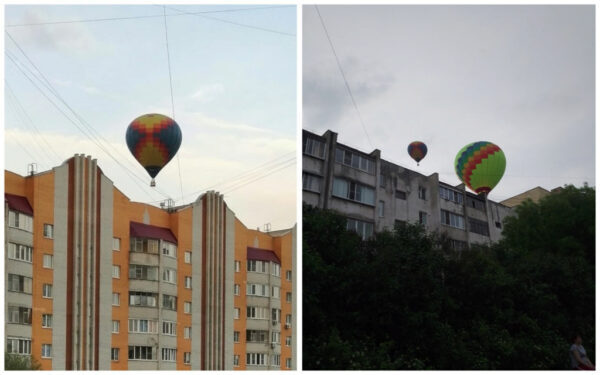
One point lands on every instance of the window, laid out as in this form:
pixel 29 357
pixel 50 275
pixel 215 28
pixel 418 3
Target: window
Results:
pixel 453 220
pixel 47 290
pixel 169 354
pixel 48 230
pixel 169 249
pixel 275 292
pixel 276 315
pixel 253 312
pixel 48 261
pixel 116 299
pixel 143 299
pixel 144 245
pixel 169 302
pixel 116 244
pixel 381 208
pixel 18 283
pixel 187 307
pixel 143 326
pixel 400 195
pixel 237 265
pixel 236 289
pixel 236 360
pixel 116 272
pixel 187 358
pixel 236 313
pixel 288 363
pixel 288 340
pixel 16 345
pixel 46 351
pixel 46 320
pixel 256 359
pixel 115 326
pixel 458 245
pixel 20 252
pixel 169 275
pixel 363 228
pixel 422 193
pixel 498 225
pixel 275 360
pixel 187 257
pixel 20 221
pixel 353 191
pixel 288 319
pixel 141 272
pixel 256 336
pixel 236 336
pixel 187 332
pixel 257 266
pixel 187 282
pixel 313 147
pixel 288 275
pixel 19 315
pixel 141 353
pixel 311 182
pixel 275 337
pixel 479 227
pixel 422 218
pixel 354 160
pixel 275 269
pixel 288 297
pixel 169 328
pixel 114 354
pixel 476 203
pixel 451 195
pixel 382 181
pixel 257 290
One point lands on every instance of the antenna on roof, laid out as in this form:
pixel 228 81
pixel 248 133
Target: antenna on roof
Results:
pixel 267 227
pixel 31 169
pixel 167 204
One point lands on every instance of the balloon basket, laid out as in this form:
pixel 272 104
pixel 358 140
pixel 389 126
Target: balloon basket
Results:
pixel 152 183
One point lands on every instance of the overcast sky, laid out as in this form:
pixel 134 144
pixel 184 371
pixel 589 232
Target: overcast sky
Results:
pixel 234 84
pixel 519 76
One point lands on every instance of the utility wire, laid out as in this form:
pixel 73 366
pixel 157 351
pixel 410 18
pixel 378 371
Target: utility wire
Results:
pixel 235 23
pixel 142 17
pixel 90 128
pixel 171 87
pixel 343 76
pixel 258 178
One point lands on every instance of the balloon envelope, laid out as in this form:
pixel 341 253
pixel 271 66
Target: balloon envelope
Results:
pixel 417 150
pixel 153 139
pixel 480 165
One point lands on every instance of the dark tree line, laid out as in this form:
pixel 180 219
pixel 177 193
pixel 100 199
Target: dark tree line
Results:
pixel 403 300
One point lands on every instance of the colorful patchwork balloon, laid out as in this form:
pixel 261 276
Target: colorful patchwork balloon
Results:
pixel 417 150
pixel 153 139
pixel 480 165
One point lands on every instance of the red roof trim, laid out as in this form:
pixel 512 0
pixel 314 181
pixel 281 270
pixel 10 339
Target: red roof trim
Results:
pixel 18 203
pixel 254 253
pixel 150 231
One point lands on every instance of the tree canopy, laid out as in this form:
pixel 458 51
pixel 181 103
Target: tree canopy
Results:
pixel 403 300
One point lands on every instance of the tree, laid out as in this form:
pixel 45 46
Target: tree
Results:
pixel 20 362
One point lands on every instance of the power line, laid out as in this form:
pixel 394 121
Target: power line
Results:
pixel 142 17
pixel 344 76
pixel 259 178
pixel 234 23
pixel 172 101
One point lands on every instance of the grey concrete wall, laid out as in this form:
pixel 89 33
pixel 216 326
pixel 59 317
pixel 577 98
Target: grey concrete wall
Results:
pixel 59 302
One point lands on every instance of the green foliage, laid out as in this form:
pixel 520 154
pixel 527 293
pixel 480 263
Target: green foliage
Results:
pixel 19 362
pixel 403 301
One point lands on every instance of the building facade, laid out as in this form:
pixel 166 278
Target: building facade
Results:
pixel 95 281
pixel 375 194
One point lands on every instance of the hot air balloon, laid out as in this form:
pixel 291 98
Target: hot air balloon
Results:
pixel 480 165
pixel 153 139
pixel 417 150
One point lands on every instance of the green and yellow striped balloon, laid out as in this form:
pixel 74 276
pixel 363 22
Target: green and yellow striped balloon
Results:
pixel 480 165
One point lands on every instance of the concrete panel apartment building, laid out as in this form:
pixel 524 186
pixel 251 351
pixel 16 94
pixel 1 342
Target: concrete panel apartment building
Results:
pixel 374 194
pixel 95 281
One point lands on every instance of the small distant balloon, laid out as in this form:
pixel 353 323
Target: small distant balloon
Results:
pixel 153 139
pixel 480 166
pixel 417 150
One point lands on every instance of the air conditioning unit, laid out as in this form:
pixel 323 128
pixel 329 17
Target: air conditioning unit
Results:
pixel 287 325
